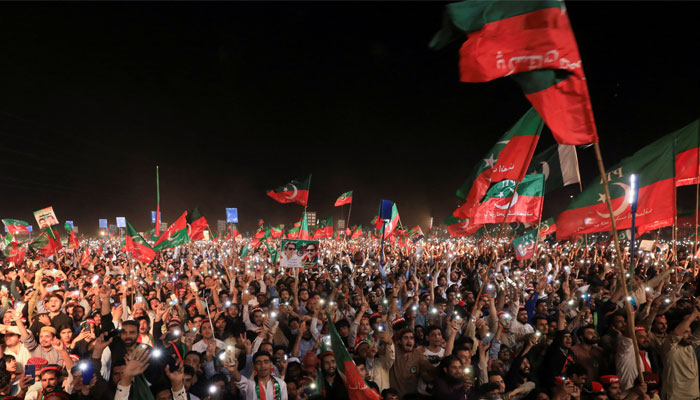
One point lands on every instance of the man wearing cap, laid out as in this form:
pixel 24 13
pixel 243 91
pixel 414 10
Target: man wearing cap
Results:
pixel 263 386
pixel 15 348
pixel 49 347
pixel 593 391
pixel 50 379
pixel 611 384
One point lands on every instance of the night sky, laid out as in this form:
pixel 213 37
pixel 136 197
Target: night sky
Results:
pixel 232 99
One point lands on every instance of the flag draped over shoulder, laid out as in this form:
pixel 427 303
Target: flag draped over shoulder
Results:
pixel 295 191
pixel 654 166
pixel 507 159
pixel 525 203
pixel 135 244
pixel 532 42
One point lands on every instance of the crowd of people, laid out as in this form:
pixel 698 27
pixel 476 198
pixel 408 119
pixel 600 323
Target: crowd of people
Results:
pixel 441 318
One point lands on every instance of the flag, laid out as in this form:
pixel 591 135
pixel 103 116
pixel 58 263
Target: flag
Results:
pixel 14 252
pixel 294 192
pixel 345 198
pixel 654 166
pixel 73 241
pixel 548 227
pixel 274 232
pixel 260 222
pixel 686 149
pixel 357 233
pixel 274 255
pixel 138 247
pixel 559 164
pixel 325 229
pixel 15 226
pixel 212 236
pixel 416 234
pixel 68 227
pixel 85 259
pixel 525 245
pixel 507 159
pixel 47 243
pixel 532 42
pixel 376 221
pixel 304 228
pixel 525 204
pixel 175 235
pixel 459 227
pixel 357 388
pixel 197 224
pixel 260 234
pixel 392 223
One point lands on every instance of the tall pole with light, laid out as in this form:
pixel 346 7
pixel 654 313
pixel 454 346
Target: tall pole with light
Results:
pixel 634 194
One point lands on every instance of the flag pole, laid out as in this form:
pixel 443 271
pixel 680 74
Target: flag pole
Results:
pixel 620 266
pixel 347 221
pixel 157 202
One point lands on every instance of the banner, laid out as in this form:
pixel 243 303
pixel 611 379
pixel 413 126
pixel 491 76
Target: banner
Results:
pixel 232 215
pixel 45 217
pixel 103 223
pixel 121 222
pixel 299 253
pixel 153 217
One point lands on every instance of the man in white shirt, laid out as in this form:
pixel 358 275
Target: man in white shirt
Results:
pixel 263 385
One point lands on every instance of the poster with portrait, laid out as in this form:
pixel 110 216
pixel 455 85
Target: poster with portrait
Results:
pixel 299 253
pixel 45 217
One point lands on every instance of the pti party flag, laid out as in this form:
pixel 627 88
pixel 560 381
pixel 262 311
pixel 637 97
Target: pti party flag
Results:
pixel 73 241
pixel 304 229
pixel 85 259
pixel 274 254
pixel 345 198
pixel 507 159
pixel 325 229
pixel 393 222
pixel 687 147
pixel 525 245
pixel 136 245
pixel 274 232
pixel 261 222
pixel 175 235
pixel 15 226
pixel 197 224
pixel 357 233
pixel 459 227
pixel 357 388
pixel 654 166
pixel 559 164
pixel 416 234
pixel 294 192
pixel 47 243
pixel 525 203
pixel 532 42
pixel 548 227
pixel 236 233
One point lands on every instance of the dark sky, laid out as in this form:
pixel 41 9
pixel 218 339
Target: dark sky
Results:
pixel 231 99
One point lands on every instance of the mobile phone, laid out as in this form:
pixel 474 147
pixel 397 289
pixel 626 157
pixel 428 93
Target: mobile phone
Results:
pixel 30 370
pixel 381 328
pixel 87 373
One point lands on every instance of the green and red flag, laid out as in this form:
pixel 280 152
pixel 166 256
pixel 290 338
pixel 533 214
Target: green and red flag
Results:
pixel 304 228
pixel 525 203
pixel 15 226
pixel 416 234
pixel 532 42
pixel 376 222
pixel 391 223
pixel 47 243
pixel 295 191
pixel 138 246
pixel 274 254
pixel 357 388
pixel 460 227
pixel 85 259
pixel 73 242
pixel 548 227
pixel 175 235
pixel 357 233
pixel 345 198
pixel 507 159
pixel 654 166
pixel 260 234
pixel 260 222
pixel 197 224
pixel 274 232
pixel 325 229
pixel 559 164
pixel 687 148
pixel 14 252
pixel 525 245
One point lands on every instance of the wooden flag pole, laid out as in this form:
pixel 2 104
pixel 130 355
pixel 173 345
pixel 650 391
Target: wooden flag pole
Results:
pixel 621 268
pixel 347 221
